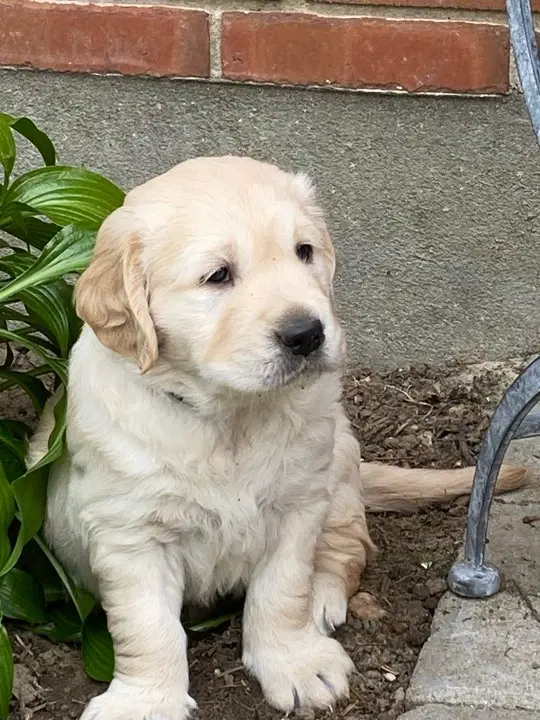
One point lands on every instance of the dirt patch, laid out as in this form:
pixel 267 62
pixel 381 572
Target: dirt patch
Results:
pixel 418 418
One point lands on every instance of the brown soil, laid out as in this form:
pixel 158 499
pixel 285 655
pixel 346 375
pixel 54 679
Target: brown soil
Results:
pixel 416 418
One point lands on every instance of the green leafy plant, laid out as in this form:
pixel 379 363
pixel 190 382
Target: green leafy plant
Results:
pixel 48 223
pixel 49 218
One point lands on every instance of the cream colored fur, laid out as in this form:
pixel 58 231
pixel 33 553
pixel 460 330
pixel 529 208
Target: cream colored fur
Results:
pixel 205 458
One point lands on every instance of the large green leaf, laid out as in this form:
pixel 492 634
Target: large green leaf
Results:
pixel 9 356
pixel 7 513
pixel 56 211
pixel 82 601
pixel 18 428
pixel 97 648
pixel 9 313
pixel 7 148
pixel 33 372
pixel 15 214
pixel 12 465
pixel 31 385
pixel 16 263
pixel 5 547
pixel 67 195
pixel 31 502
pixel 6 672
pixel 57 365
pixel 49 307
pixel 35 562
pixel 32 230
pixel 32 335
pixel 63 624
pixel 52 304
pixel 21 597
pixel 30 489
pixel 69 251
pixel 56 438
pixel 25 127
pixel 13 437
pixel 28 129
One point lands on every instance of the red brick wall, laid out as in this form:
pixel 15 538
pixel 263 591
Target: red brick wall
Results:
pixel 456 46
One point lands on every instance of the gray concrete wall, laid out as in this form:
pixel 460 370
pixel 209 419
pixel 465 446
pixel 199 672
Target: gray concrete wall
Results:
pixel 434 203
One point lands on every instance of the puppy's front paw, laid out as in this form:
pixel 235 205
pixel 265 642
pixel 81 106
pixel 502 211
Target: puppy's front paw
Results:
pixel 329 602
pixel 306 670
pixel 132 702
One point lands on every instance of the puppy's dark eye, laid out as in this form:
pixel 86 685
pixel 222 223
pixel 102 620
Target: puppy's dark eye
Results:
pixel 221 276
pixel 305 252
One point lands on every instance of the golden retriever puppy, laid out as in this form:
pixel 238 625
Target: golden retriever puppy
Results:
pixel 208 449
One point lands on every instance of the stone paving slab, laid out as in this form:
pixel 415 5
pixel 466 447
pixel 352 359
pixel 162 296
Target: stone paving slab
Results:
pixel 514 545
pixel 483 653
pixel 482 661
pixel 524 452
pixel 443 712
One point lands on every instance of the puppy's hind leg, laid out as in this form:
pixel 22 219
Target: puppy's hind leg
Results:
pixel 344 546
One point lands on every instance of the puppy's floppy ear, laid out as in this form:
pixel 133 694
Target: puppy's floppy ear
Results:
pixel 308 194
pixel 305 188
pixel 111 295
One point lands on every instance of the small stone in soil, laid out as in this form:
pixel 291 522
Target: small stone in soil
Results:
pixel 24 685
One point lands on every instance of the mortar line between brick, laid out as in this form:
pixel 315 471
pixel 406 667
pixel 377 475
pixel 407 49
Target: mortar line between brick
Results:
pixel 215 42
pixel 346 12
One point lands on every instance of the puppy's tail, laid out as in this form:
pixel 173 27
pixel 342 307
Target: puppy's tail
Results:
pixel 396 489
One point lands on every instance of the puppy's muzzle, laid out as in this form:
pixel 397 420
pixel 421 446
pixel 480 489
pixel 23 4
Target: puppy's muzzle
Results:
pixel 301 334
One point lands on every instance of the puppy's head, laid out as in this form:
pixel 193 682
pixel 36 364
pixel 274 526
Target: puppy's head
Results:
pixel 221 268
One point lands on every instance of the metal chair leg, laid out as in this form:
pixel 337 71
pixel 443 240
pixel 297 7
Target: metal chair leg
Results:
pixel 473 577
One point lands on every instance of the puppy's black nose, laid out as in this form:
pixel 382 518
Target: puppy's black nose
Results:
pixel 302 334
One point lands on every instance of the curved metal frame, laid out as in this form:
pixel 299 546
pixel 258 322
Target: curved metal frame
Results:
pixel 523 39
pixel 473 577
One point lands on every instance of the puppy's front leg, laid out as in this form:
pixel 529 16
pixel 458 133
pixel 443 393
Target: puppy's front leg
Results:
pixel 141 592
pixel 295 663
